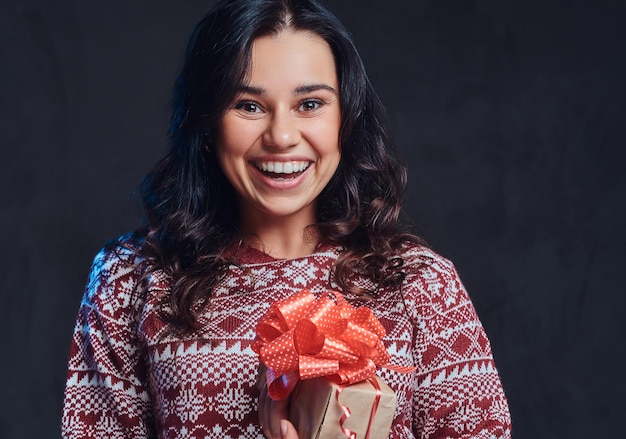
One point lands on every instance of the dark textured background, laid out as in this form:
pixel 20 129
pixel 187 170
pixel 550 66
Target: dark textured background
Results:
pixel 511 116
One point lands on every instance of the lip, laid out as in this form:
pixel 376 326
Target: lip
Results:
pixel 280 183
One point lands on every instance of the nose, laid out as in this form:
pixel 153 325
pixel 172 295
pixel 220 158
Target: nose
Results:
pixel 282 131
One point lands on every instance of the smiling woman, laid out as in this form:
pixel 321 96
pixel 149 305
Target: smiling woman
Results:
pixel 278 144
pixel 279 178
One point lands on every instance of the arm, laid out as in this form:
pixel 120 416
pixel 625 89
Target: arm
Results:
pixel 106 392
pixel 458 393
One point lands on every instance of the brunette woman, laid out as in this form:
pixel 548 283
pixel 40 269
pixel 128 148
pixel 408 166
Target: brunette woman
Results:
pixel 279 177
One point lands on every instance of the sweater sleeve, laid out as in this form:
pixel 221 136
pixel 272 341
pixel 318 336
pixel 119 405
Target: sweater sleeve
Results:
pixel 106 392
pixel 458 393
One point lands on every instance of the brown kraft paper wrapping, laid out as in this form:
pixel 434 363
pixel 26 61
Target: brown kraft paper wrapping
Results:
pixel 314 411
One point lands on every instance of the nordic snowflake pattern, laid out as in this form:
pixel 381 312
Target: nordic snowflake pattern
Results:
pixel 127 379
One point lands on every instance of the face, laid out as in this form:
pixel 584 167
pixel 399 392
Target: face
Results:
pixel 278 143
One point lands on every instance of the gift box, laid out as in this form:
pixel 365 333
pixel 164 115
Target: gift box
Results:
pixel 323 355
pixel 318 406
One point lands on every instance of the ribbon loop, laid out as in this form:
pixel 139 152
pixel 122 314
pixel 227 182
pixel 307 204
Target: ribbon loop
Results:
pixel 304 337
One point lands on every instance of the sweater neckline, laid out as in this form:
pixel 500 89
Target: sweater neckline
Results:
pixel 243 253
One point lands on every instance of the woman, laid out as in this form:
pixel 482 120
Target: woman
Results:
pixel 279 178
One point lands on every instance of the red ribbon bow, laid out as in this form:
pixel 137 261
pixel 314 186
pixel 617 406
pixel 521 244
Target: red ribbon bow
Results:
pixel 302 337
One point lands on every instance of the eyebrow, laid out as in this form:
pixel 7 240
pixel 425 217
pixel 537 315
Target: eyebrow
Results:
pixel 303 89
pixel 300 90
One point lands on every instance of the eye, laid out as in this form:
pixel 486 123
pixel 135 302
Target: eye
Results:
pixel 310 105
pixel 248 107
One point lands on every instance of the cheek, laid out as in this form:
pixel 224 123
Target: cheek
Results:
pixel 229 143
pixel 231 147
pixel 235 136
pixel 326 134
pixel 230 162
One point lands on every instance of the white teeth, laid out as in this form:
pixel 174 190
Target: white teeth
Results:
pixel 282 167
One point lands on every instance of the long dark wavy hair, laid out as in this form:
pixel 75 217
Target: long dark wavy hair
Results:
pixel 190 209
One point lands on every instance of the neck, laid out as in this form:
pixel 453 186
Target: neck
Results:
pixel 280 237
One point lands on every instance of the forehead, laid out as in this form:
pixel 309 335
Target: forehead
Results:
pixel 292 56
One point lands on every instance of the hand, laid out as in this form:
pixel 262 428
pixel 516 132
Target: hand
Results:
pixel 273 418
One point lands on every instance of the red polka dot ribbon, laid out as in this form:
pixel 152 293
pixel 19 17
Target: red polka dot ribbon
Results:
pixel 303 337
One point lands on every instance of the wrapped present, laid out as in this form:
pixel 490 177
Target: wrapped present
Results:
pixel 331 351
pixel 321 409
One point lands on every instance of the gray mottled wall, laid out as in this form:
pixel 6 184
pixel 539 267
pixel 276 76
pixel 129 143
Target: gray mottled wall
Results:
pixel 511 117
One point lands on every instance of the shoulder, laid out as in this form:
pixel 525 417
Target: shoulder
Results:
pixel 117 269
pixel 431 281
pixel 418 257
pixel 119 258
pixel 124 250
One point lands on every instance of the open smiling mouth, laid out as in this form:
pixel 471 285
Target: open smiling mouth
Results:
pixel 282 170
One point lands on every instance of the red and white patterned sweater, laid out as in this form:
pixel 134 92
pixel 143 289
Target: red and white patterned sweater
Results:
pixel 127 380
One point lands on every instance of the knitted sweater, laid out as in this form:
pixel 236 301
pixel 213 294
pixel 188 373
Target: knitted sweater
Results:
pixel 128 378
